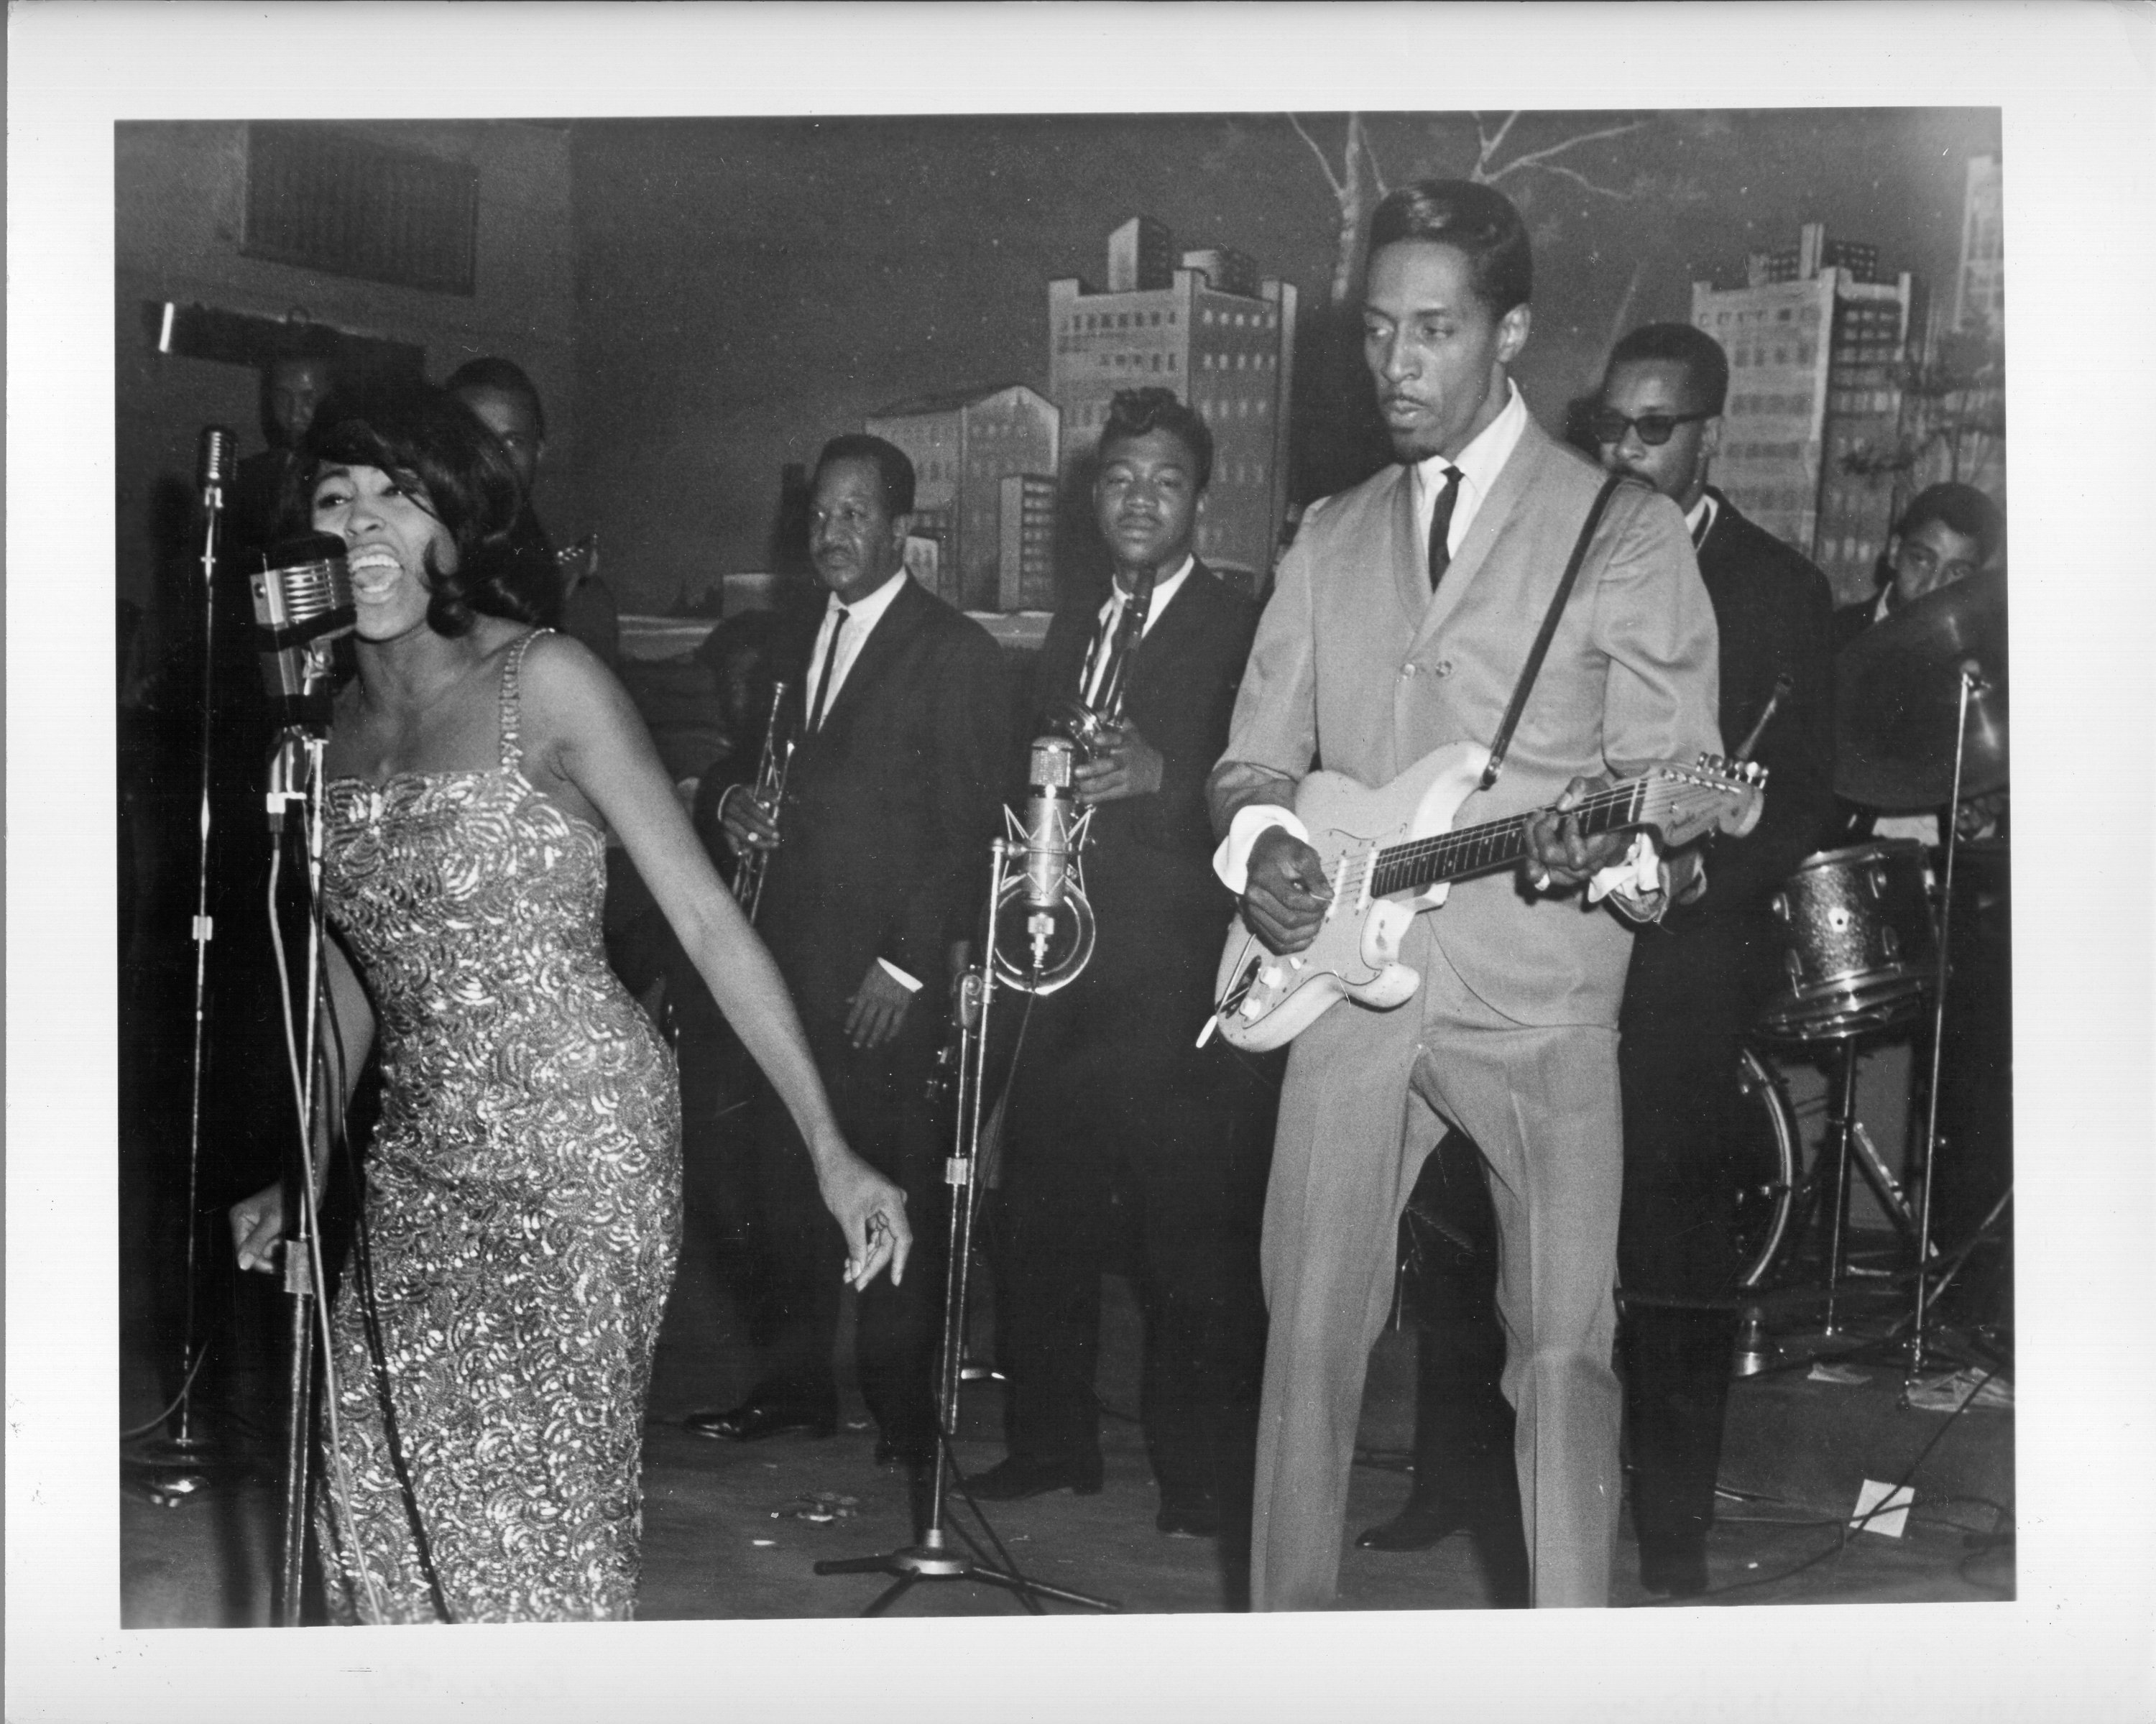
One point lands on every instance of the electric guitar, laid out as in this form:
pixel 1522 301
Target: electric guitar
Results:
pixel 1389 853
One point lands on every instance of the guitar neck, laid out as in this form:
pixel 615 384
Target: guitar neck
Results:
pixel 1496 843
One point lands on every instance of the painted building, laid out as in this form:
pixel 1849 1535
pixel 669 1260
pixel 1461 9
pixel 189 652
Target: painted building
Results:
pixel 1980 283
pixel 1025 564
pixel 963 444
pixel 1225 344
pixel 1813 425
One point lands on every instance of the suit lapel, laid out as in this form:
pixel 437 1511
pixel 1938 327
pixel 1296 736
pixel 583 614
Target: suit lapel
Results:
pixel 1183 617
pixel 1490 521
pixel 1410 553
pixel 886 642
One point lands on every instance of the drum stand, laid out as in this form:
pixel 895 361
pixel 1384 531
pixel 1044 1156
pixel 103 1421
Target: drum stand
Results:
pixel 1847 1139
pixel 934 1558
pixel 1846 1133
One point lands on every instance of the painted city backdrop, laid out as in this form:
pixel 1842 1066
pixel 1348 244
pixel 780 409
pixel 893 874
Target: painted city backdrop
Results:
pixel 703 302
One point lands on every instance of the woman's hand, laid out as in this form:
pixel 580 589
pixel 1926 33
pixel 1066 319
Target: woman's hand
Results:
pixel 258 1224
pixel 869 1210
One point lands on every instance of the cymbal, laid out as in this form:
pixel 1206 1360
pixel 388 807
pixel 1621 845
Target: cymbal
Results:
pixel 1898 693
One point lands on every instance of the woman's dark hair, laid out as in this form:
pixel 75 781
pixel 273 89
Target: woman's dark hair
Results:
pixel 1481 224
pixel 419 435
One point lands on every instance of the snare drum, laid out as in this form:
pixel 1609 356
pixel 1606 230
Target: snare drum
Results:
pixel 1858 949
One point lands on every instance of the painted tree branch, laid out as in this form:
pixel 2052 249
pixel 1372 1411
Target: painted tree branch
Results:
pixel 1540 158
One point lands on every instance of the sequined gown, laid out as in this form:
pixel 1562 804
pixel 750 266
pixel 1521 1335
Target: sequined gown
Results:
pixel 522 1207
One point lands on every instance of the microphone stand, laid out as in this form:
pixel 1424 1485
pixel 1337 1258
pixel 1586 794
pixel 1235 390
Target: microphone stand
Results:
pixel 179 1462
pixel 296 777
pixel 934 1558
pixel 1966 683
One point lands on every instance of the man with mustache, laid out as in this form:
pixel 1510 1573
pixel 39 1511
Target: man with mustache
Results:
pixel 1118 1123
pixel 878 858
pixel 1401 624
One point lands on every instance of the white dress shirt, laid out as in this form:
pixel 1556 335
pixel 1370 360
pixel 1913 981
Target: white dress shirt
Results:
pixel 1479 464
pixel 861 618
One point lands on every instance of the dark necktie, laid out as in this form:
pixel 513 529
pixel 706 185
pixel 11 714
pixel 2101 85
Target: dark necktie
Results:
pixel 1706 524
pixel 1440 526
pixel 830 664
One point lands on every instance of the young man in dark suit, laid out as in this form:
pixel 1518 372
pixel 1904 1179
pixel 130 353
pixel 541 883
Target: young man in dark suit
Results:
pixel 1694 986
pixel 877 859
pixel 1118 1122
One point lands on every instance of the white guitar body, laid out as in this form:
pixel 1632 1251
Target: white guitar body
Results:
pixel 1356 954
pixel 1401 838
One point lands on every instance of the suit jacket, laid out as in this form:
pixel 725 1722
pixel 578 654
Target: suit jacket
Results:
pixel 1148 865
pixel 890 807
pixel 1774 612
pixel 1359 668
pixel 1851 620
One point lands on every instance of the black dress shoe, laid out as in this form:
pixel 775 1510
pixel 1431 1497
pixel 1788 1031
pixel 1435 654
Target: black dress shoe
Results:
pixel 1417 1527
pixel 755 1419
pixel 1016 1476
pixel 1674 1574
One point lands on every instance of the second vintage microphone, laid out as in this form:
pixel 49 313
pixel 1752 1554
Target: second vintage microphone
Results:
pixel 303 602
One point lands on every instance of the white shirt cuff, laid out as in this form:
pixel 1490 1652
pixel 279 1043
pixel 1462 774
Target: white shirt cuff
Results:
pixel 900 977
pixel 1637 883
pixel 1231 862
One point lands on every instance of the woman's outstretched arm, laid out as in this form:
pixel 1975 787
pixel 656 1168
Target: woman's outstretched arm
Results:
pixel 582 730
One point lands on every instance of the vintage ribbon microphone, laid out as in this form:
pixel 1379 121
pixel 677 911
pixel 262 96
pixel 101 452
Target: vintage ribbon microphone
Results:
pixel 1034 869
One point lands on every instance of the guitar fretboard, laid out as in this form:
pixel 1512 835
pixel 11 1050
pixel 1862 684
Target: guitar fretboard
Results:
pixel 1496 843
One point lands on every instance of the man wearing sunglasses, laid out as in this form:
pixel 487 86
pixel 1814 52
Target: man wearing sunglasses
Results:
pixel 1699 980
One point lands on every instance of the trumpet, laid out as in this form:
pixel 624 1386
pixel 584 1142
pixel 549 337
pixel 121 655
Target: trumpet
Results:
pixel 769 792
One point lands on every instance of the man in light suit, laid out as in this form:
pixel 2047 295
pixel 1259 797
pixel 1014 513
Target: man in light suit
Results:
pixel 879 857
pixel 1400 623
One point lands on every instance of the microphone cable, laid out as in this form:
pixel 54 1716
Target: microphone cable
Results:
pixel 338 1122
pixel 339 1471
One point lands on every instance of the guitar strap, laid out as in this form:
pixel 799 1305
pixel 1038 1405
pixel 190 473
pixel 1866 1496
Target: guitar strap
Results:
pixel 1541 649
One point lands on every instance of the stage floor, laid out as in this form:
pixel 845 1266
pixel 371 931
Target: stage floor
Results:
pixel 722 1540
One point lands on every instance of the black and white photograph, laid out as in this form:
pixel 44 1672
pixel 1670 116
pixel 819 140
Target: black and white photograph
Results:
pixel 899 827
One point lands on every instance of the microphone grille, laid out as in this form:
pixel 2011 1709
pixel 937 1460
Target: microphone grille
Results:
pixel 217 460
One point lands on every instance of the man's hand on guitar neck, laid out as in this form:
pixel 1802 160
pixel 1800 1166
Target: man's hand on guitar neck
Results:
pixel 1558 855
pixel 1287 895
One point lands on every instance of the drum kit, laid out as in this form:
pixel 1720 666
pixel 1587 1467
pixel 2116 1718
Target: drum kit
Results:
pixel 1921 727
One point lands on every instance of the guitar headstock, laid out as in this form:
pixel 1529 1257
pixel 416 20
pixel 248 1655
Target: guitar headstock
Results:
pixel 1683 803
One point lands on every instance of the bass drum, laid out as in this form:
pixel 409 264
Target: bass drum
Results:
pixel 1765 1160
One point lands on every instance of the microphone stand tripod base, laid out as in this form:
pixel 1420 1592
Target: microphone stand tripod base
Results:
pixel 933 1560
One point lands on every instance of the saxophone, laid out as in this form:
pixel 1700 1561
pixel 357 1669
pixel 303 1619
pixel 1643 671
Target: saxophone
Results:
pixel 1089 726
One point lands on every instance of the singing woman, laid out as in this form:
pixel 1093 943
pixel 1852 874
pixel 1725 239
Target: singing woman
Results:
pixel 522 1199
